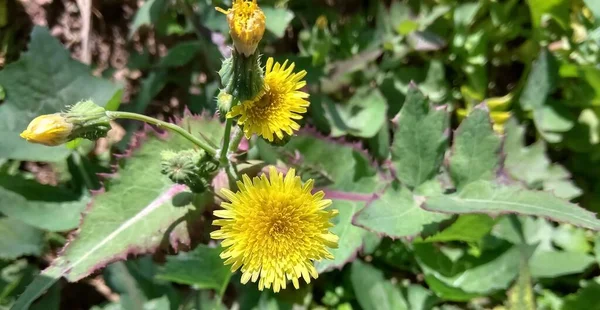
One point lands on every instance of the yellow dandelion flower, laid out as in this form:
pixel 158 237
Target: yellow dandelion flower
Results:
pixel 50 129
pixel 274 228
pixel 246 25
pixel 276 109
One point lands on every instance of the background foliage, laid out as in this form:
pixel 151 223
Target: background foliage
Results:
pixel 409 100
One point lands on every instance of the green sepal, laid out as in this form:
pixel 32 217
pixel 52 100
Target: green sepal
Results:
pixel 89 120
pixel 242 77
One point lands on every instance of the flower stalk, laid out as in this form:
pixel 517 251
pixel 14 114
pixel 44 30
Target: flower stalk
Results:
pixel 161 124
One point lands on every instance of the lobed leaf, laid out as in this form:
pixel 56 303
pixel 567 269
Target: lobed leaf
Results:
pixel 419 140
pixel 475 149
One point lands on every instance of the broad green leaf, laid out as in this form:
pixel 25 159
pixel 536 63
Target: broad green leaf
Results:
pixel 148 14
pixel 520 296
pixel 558 9
pixel 45 80
pixel 586 298
pixel 363 116
pixel 278 20
pixel 120 281
pixel 571 239
pixel 550 264
pixel 482 276
pixel 493 199
pixel 140 210
pixel 396 214
pixel 475 150
pixel 201 268
pixel 181 54
pixel 594 6
pixel 420 298
pixel 19 239
pixel 42 206
pixel 540 82
pixel 467 228
pixel 531 165
pixel 372 290
pixel 419 140
pixel 597 249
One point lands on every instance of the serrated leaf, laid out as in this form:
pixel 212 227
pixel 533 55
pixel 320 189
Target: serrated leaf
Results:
pixel 201 268
pixel 19 239
pixel 396 214
pixel 43 81
pixel 136 215
pixel 494 199
pixel 373 291
pixel 467 228
pixel 475 150
pixel 34 204
pixel 278 20
pixel 550 264
pixel 419 140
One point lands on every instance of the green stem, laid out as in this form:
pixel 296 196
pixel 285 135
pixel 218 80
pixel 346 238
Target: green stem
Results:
pixel 238 134
pixel 84 173
pixel 226 138
pixel 161 124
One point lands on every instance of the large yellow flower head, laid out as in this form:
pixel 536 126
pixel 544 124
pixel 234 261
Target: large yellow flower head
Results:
pixel 276 109
pixel 50 130
pixel 246 25
pixel 274 228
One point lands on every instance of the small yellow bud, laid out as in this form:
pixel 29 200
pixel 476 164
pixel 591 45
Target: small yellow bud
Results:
pixel 246 25
pixel 50 129
pixel 322 22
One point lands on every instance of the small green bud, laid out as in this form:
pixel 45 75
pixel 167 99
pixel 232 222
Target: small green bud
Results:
pixel 224 101
pixel 190 167
pixel 242 77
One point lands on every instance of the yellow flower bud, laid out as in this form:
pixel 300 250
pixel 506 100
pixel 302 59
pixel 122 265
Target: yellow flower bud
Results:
pixel 246 25
pixel 50 129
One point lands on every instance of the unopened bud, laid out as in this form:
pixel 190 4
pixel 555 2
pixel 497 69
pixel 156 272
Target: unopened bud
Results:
pixel 246 25
pixel 83 120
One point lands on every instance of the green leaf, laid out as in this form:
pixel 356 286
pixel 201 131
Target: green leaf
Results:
pixel 531 165
pixel 420 298
pixel 278 20
pixel 594 6
pixel 467 228
pixel 363 116
pixel 558 9
pixel 483 276
pixel 493 199
pixel 396 214
pixel 551 264
pixel 120 280
pixel 140 210
pixel 475 150
pixel 540 82
pixel 180 54
pixel 373 291
pixel 586 298
pixel 419 140
pixel 19 239
pixel 148 14
pixel 44 80
pixel 201 268
pixel 42 206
